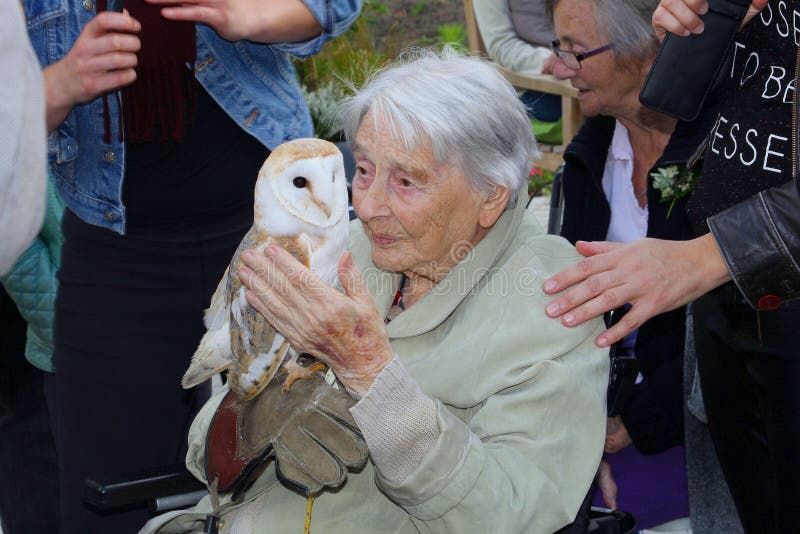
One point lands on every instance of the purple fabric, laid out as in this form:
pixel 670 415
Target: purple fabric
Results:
pixel 651 487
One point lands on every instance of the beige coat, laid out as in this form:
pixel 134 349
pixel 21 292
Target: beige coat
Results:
pixel 521 407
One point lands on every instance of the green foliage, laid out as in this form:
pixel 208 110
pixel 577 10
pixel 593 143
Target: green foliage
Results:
pixel 453 34
pixel 348 60
pixel 674 183
pixel 323 104
pixel 352 56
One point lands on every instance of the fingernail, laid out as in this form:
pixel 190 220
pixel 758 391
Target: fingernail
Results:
pixel 569 319
pixel 269 251
pixel 699 28
pixel 550 285
pixel 602 341
pixel 551 309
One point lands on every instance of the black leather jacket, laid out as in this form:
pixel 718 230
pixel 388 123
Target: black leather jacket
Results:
pixel 760 237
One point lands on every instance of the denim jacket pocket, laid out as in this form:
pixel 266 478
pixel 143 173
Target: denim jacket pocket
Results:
pixel 47 28
pixel 40 11
pixel 64 141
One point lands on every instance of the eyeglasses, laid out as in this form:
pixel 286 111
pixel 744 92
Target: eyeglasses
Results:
pixel 573 59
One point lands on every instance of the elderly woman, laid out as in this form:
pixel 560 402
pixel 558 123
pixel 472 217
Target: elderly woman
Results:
pixel 480 414
pixel 609 195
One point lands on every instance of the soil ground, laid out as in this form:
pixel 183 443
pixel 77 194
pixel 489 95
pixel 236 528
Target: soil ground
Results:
pixel 410 22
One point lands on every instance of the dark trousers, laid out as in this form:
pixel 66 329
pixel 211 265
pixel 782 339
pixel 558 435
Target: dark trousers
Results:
pixel 28 467
pixel 749 366
pixel 542 106
pixel 128 319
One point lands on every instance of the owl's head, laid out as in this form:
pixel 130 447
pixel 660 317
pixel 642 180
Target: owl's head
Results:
pixel 305 179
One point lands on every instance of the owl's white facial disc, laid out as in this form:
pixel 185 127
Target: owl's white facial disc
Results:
pixel 313 189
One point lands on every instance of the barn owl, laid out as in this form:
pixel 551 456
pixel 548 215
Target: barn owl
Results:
pixel 300 205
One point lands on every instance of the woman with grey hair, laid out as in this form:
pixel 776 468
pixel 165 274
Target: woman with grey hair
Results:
pixel 605 48
pixel 479 414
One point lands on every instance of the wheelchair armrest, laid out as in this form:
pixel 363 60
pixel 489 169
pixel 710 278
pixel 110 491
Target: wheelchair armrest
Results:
pixel 140 487
pixel 606 521
pixel 624 368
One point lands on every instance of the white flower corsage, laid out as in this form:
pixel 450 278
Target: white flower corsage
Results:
pixel 674 182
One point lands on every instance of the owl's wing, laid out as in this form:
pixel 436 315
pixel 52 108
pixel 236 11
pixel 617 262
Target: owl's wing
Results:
pixel 214 353
pixel 217 312
pixel 258 349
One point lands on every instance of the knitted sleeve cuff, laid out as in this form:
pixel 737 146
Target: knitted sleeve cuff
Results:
pixel 398 420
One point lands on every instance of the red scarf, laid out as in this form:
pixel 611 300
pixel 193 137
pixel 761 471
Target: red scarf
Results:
pixel 163 92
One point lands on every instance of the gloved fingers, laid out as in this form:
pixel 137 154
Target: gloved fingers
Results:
pixel 290 474
pixel 304 461
pixel 338 438
pixel 336 403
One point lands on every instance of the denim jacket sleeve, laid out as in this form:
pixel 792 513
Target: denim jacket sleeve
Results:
pixel 335 16
pixel 760 243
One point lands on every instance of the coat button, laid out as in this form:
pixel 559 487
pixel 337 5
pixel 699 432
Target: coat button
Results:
pixel 769 302
pixel 109 216
pixel 109 157
pixel 88 5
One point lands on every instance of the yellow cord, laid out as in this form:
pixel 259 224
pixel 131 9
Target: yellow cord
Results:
pixel 309 506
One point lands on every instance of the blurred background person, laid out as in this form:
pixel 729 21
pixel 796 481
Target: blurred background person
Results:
pixel 517 36
pixel 28 498
pixel 22 139
pixel 158 183
pixel 28 462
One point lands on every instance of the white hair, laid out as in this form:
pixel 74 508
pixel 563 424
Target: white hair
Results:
pixel 461 104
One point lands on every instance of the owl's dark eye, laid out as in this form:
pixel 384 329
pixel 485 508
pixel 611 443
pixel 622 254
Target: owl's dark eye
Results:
pixel 300 182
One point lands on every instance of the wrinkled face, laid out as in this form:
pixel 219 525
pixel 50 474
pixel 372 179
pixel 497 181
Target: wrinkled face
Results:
pixel 604 86
pixel 421 216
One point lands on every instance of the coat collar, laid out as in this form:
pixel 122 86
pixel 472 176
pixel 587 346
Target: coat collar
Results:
pixel 432 309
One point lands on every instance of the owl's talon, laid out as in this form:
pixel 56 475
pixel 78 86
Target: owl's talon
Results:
pixel 295 371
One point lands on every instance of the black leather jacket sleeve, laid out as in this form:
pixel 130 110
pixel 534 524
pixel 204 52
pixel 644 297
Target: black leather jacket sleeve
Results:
pixel 760 243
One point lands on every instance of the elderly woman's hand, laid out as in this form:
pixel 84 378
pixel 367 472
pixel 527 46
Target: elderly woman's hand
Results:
pixel 343 330
pixel 653 275
pixel 682 17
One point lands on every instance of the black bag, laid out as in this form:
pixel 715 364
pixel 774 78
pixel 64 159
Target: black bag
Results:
pixel 686 68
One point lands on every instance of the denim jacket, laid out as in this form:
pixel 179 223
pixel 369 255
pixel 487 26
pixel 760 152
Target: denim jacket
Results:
pixel 255 83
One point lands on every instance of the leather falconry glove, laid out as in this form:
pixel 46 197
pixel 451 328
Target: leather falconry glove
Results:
pixel 308 430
